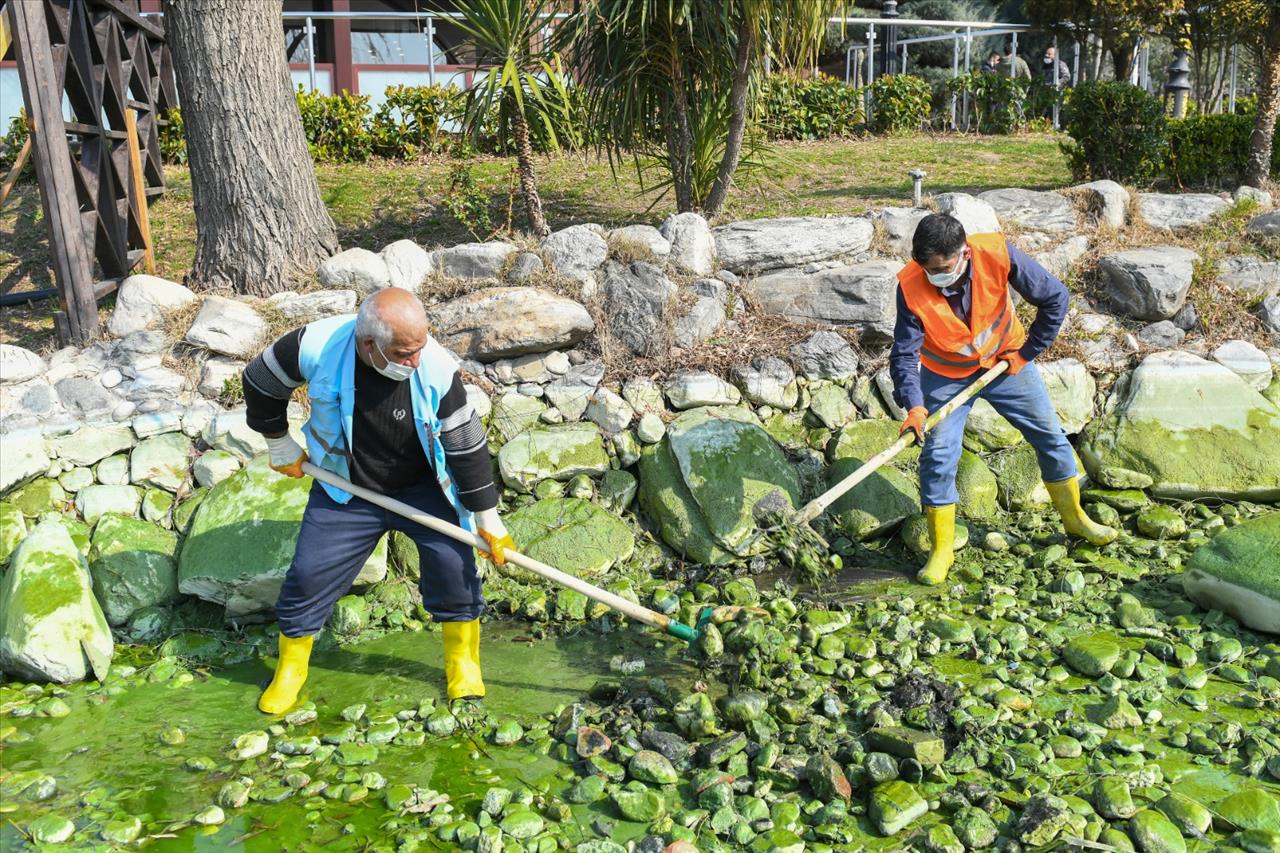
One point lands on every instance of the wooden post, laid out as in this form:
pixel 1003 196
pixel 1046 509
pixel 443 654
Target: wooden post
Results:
pixel 6 186
pixel 42 96
pixel 138 191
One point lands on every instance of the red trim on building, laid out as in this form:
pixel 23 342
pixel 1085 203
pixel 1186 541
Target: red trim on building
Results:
pixel 343 76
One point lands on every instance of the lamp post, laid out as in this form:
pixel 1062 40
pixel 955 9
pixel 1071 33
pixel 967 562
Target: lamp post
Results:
pixel 1178 74
pixel 890 10
pixel 917 186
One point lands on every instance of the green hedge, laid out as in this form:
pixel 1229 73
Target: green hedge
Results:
pixel 900 103
pixel 807 108
pixel 1212 150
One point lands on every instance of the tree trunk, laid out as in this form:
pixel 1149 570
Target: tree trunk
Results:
pixel 260 222
pixel 1258 166
pixel 738 106
pixel 680 141
pixel 528 186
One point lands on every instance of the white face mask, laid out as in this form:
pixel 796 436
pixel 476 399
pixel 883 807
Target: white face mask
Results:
pixel 393 370
pixel 946 279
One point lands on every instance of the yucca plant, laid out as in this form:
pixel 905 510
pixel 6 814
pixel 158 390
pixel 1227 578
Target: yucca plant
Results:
pixel 515 67
pixel 680 72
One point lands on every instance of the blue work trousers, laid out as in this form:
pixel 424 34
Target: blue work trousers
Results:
pixel 1021 399
pixel 336 540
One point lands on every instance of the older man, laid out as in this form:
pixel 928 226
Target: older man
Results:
pixel 389 413
pixel 955 318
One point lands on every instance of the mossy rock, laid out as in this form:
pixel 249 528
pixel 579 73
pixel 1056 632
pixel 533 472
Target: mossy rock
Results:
pixel 1186 428
pixel 571 534
pixel 39 496
pixel 1018 479
pixel 558 452
pixel 133 564
pixel 864 439
pixel 1235 572
pixel 13 526
pixel 915 534
pixel 978 488
pixel 702 482
pixel 51 627
pixel 876 505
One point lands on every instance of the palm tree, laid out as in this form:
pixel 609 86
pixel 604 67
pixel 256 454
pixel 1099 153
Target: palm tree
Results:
pixel 509 36
pixel 681 75
pixel 1258 168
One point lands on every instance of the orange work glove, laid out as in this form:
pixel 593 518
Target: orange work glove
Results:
pixel 1015 359
pixel 915 422
pixel 286 456
pixel 494 532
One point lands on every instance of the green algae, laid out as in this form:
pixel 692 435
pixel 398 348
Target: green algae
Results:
pixel 571 534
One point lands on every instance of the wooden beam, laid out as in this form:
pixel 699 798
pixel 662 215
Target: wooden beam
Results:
pixel 42 98
pixel 6 36
pixel 138 192
pixel 6 186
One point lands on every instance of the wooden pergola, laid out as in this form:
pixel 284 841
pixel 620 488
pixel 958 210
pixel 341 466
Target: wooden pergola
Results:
pixel 98 164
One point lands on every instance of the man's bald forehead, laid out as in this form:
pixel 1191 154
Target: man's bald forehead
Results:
pixel 399 308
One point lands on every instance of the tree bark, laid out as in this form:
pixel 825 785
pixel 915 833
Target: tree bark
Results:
pixel 1258 166
pixel 260 221
pixel 738 107
pixel 528 184
pixel 680 140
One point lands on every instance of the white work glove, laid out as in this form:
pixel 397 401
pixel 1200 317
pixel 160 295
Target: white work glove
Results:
pixel 494 532
pixel 286 456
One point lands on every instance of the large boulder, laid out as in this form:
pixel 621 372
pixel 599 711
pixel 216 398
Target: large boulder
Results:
pixel 693 249
pixel 898 227
pixel 1180 211
pixel 1062 258
pixel 241 540
pixel 307 307
pixel 474 260
pixel 767 381
pixel 1149 284
pixel 228 326
pixel 1107 201
pixel 1264 225
pixel 639 302
pixel 408 265
pixel 1186 428
pixel 22 456
pixel 355 269
pixel 1032 210
pixel 134 565
pixel 143 301
pixel 647 237
pixel 163 461
pixel 754 246
pixel 571 534
pixel 976 215
pixel 557 452
pixel 825 355
pixel 690 389
pixel 18 364
pixel 1246 361
pixel 859 295
pixel 1253 278
pixel 51 627
pixel 701 483
pixel 577 251
pixel 1071 388
pixel 13 527
pixel 877 504
pixel 1235 572
pixel 500 322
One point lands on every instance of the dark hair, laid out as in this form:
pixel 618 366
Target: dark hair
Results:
pixel 937 234
pixel 995 54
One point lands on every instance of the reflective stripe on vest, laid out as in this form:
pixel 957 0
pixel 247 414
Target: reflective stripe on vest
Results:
pixel 1000 325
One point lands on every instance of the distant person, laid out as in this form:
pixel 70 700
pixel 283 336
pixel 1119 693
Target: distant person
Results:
pixel 1050 64
pixel 1019 69
pixel 992 65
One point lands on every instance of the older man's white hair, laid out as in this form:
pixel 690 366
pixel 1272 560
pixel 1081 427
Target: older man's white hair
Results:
pixel 382 309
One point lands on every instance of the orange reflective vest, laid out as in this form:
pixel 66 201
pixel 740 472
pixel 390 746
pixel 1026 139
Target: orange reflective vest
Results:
pixel 952 348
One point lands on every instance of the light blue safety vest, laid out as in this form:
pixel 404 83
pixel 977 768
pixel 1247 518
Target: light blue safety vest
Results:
pixel 327 360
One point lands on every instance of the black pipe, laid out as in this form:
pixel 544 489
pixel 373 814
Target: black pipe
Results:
pixel 7 299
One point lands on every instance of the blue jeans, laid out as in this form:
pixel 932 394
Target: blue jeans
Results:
pixel 336 540
pixel 1021 399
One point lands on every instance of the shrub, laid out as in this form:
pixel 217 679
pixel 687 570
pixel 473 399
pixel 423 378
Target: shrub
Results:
pixel 810 108
pixel 1212 150
pixel 899 103
pixel 998 100
pixel 173 139
pixel 409 122
pixel 1118 132
pixel 336 126
pixel 11 142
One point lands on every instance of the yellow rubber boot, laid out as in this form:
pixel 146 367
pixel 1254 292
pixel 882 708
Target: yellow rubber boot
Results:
pixel 1066 500
pixel 291 674
pixel 462 660
pixel 942 540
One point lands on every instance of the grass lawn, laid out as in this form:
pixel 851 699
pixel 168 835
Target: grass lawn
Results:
pixel 378 202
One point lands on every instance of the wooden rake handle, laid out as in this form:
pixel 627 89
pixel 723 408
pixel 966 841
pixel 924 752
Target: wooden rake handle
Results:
pixel 819 505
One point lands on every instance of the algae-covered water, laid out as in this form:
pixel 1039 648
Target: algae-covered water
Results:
pixel 109 751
